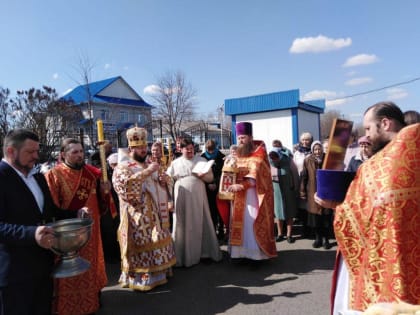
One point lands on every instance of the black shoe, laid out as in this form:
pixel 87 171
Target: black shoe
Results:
pixel 326 244
pixel 220 234
pixel 290 239
pixel 317 244
pixel 279 238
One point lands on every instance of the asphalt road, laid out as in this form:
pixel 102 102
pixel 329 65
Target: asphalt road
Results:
pixel 296 282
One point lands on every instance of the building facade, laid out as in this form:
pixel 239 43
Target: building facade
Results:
pixel 114 102
pixel 279 115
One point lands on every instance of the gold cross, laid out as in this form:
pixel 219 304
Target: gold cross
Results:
pixel 82 194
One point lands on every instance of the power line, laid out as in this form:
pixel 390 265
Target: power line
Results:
pixel 375 90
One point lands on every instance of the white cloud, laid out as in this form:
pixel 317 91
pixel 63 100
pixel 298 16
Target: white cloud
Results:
pixel 55 76
pixel 396 93
pixel 336 102
pixel 358 81
pixel 331 98
pixel 318 44
pixel 107 66
pixel 361 59
pixel 151 89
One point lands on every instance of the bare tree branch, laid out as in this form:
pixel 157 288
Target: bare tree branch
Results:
pixel 42 111
pixel 174 102
pixel 84 68
pixel 5 112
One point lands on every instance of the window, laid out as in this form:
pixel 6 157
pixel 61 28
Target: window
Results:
pixel 123 116
pixel 104 114
pixel 141 119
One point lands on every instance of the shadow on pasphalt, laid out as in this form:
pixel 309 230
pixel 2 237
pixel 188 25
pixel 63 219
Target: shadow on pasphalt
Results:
pixel 214 288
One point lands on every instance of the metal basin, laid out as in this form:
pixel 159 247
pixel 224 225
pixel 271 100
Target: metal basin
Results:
pixel 70 236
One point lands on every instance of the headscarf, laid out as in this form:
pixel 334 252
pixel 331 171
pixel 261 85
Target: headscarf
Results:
pixel 317 158
pixel 211 156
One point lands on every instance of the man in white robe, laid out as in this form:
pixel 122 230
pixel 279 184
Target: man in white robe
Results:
pixel 193 232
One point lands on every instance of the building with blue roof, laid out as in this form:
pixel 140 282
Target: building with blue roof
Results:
pixel 116 103
pixel 279 115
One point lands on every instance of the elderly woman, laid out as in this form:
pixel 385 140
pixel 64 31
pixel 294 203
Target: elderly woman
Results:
pixel 319 219
pixel 300 152
pixel 285 191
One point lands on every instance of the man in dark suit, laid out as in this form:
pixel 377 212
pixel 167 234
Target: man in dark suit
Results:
pixel 26 206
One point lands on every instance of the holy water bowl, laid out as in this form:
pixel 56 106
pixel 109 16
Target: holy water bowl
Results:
pixel 70 236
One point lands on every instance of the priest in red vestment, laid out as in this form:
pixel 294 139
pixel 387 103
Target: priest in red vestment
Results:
pixel 377 226
pixel 73 185
pixel 252 219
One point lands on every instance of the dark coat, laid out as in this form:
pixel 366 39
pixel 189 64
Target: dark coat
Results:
pixel 308 185
pixel 289 182
pixel 212 194
pixel 217 166
pixel 21 259
pixel 354 163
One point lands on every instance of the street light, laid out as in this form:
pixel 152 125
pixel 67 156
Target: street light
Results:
pixel 221 126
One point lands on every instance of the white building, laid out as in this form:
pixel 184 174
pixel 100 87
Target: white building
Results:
pixel 279 115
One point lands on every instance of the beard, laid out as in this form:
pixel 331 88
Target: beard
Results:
pixel 76 165
pixel 245 149
pixel 20 166
pixel 139 158
pixel 378 145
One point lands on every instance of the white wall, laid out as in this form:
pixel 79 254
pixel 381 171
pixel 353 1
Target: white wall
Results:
pixel 308 122
pixel 119 89
pixel 268 126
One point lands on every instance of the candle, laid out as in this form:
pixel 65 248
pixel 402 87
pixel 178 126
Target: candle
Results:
pixel 100 126
pixel 169 147
pixel 163 148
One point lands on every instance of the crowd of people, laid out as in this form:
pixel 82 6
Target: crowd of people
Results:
pixel 154 212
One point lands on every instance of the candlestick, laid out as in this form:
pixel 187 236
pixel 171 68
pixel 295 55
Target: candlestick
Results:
pixel 100 127
pixel 169 150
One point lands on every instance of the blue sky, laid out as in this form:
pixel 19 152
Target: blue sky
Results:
pixel 226 49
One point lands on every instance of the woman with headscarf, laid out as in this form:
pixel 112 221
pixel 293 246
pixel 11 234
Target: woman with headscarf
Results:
pixel 287 210
pixel 300 152
pixel 319 219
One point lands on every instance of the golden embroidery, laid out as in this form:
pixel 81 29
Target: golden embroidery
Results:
pixel 82 194
pixel 377 229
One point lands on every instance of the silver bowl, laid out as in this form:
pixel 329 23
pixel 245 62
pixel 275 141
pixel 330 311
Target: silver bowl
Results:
pixel 70 236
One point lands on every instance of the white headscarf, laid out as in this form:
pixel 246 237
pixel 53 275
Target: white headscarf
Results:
pixel 314 144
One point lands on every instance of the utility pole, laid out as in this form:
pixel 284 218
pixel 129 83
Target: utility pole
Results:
pixel 221 125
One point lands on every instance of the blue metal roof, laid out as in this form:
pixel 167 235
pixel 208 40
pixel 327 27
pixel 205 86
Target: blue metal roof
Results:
pixel 80 94
pixel 271 102
pixel 316 106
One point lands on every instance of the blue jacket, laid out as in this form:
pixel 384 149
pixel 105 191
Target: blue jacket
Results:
pixel 21 258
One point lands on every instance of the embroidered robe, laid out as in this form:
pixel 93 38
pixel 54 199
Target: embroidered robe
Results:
pixel 256 167
pixel 73 189
pixel 147 252
pixel 377 227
